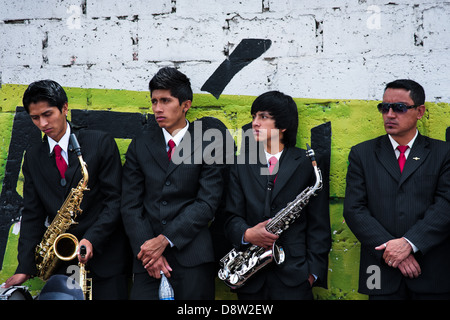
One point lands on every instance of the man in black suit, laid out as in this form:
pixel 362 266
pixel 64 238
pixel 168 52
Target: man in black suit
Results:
pixel 308 240
pixel 98 227
pixel 397 203
pixel 170 196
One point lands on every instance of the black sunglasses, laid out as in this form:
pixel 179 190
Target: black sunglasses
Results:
pixel 397 107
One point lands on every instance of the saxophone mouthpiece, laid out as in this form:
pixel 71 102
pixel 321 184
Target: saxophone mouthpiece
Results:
pixel 310 153
pixel 75 145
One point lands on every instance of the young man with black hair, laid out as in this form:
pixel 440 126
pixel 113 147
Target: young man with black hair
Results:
pixel 308 240
pixel 397 203
pixel 47 185
pixel 166 205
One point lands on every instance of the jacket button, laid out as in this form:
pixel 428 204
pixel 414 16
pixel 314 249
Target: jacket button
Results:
pixel 164 203
pixel 163 221
pixel 167 183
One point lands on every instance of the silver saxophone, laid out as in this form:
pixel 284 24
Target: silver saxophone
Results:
pixel 238 266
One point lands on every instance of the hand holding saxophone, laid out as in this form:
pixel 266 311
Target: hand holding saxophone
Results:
pixel 258 235
pixel 85 257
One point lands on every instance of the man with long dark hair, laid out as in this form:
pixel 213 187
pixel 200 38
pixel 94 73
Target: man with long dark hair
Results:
pixel 307 241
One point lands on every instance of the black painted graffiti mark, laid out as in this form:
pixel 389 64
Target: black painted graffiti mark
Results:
pixel 24 133
pixel 321 144
pixel 246 51
pixel 122 125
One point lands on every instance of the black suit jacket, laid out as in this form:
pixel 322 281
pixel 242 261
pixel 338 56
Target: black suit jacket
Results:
pixel 100 220
pixel 178 200
pixel 381 204
pixel 307 241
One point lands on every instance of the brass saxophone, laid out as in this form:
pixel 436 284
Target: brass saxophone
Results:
pixel 57 244
pixel 238 266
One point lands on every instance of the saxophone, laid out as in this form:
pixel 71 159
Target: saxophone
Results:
pixel 238 266
pixel 57 244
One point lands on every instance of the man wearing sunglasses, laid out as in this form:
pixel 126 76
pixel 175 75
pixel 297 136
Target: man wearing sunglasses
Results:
pixel 397 203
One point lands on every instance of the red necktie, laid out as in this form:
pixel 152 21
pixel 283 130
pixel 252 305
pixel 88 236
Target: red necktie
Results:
pixel 272 162
pixel 402 158
pixel 60 162
pixel 171 148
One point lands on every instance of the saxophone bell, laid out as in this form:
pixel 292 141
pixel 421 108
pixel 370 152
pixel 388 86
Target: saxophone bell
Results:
pixel 65 246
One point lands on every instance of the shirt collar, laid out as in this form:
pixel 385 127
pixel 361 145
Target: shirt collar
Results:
pixel 277 155
pixel 63 142
pixel 395 144
pixel 178 136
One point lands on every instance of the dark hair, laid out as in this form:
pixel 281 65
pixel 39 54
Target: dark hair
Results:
pixel 284 110
pixel 171 79
pixel 44 90
pixel 416 91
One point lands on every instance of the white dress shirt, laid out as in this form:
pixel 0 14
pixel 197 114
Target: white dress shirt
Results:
pixel 63 143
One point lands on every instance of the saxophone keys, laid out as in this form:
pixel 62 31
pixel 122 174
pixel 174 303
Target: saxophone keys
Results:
pixel 223 274
pixel 234 278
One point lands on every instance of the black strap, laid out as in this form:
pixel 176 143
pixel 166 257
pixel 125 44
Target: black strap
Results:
pixel 268 199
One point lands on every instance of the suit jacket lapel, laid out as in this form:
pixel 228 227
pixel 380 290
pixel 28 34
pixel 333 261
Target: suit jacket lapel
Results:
pixel 188 151
pixel 288 163
pixel 386 156
pixel 48 165
pixel 258 169
pixel 50 172
pixel 74 163
pixel 72 169
pixel 156 145
pixel 419 152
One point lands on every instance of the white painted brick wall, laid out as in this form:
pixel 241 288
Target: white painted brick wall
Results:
pixel 39 9
pixel 20 45
pixel 320 48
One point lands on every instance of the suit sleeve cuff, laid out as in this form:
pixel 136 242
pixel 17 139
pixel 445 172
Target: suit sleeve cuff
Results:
pixel 415 249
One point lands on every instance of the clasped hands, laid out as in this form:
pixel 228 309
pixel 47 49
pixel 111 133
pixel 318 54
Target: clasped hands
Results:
pixel 152 259
pixel 398 254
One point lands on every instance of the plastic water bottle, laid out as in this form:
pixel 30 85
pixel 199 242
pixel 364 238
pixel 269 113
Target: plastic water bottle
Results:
pixel 165 289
